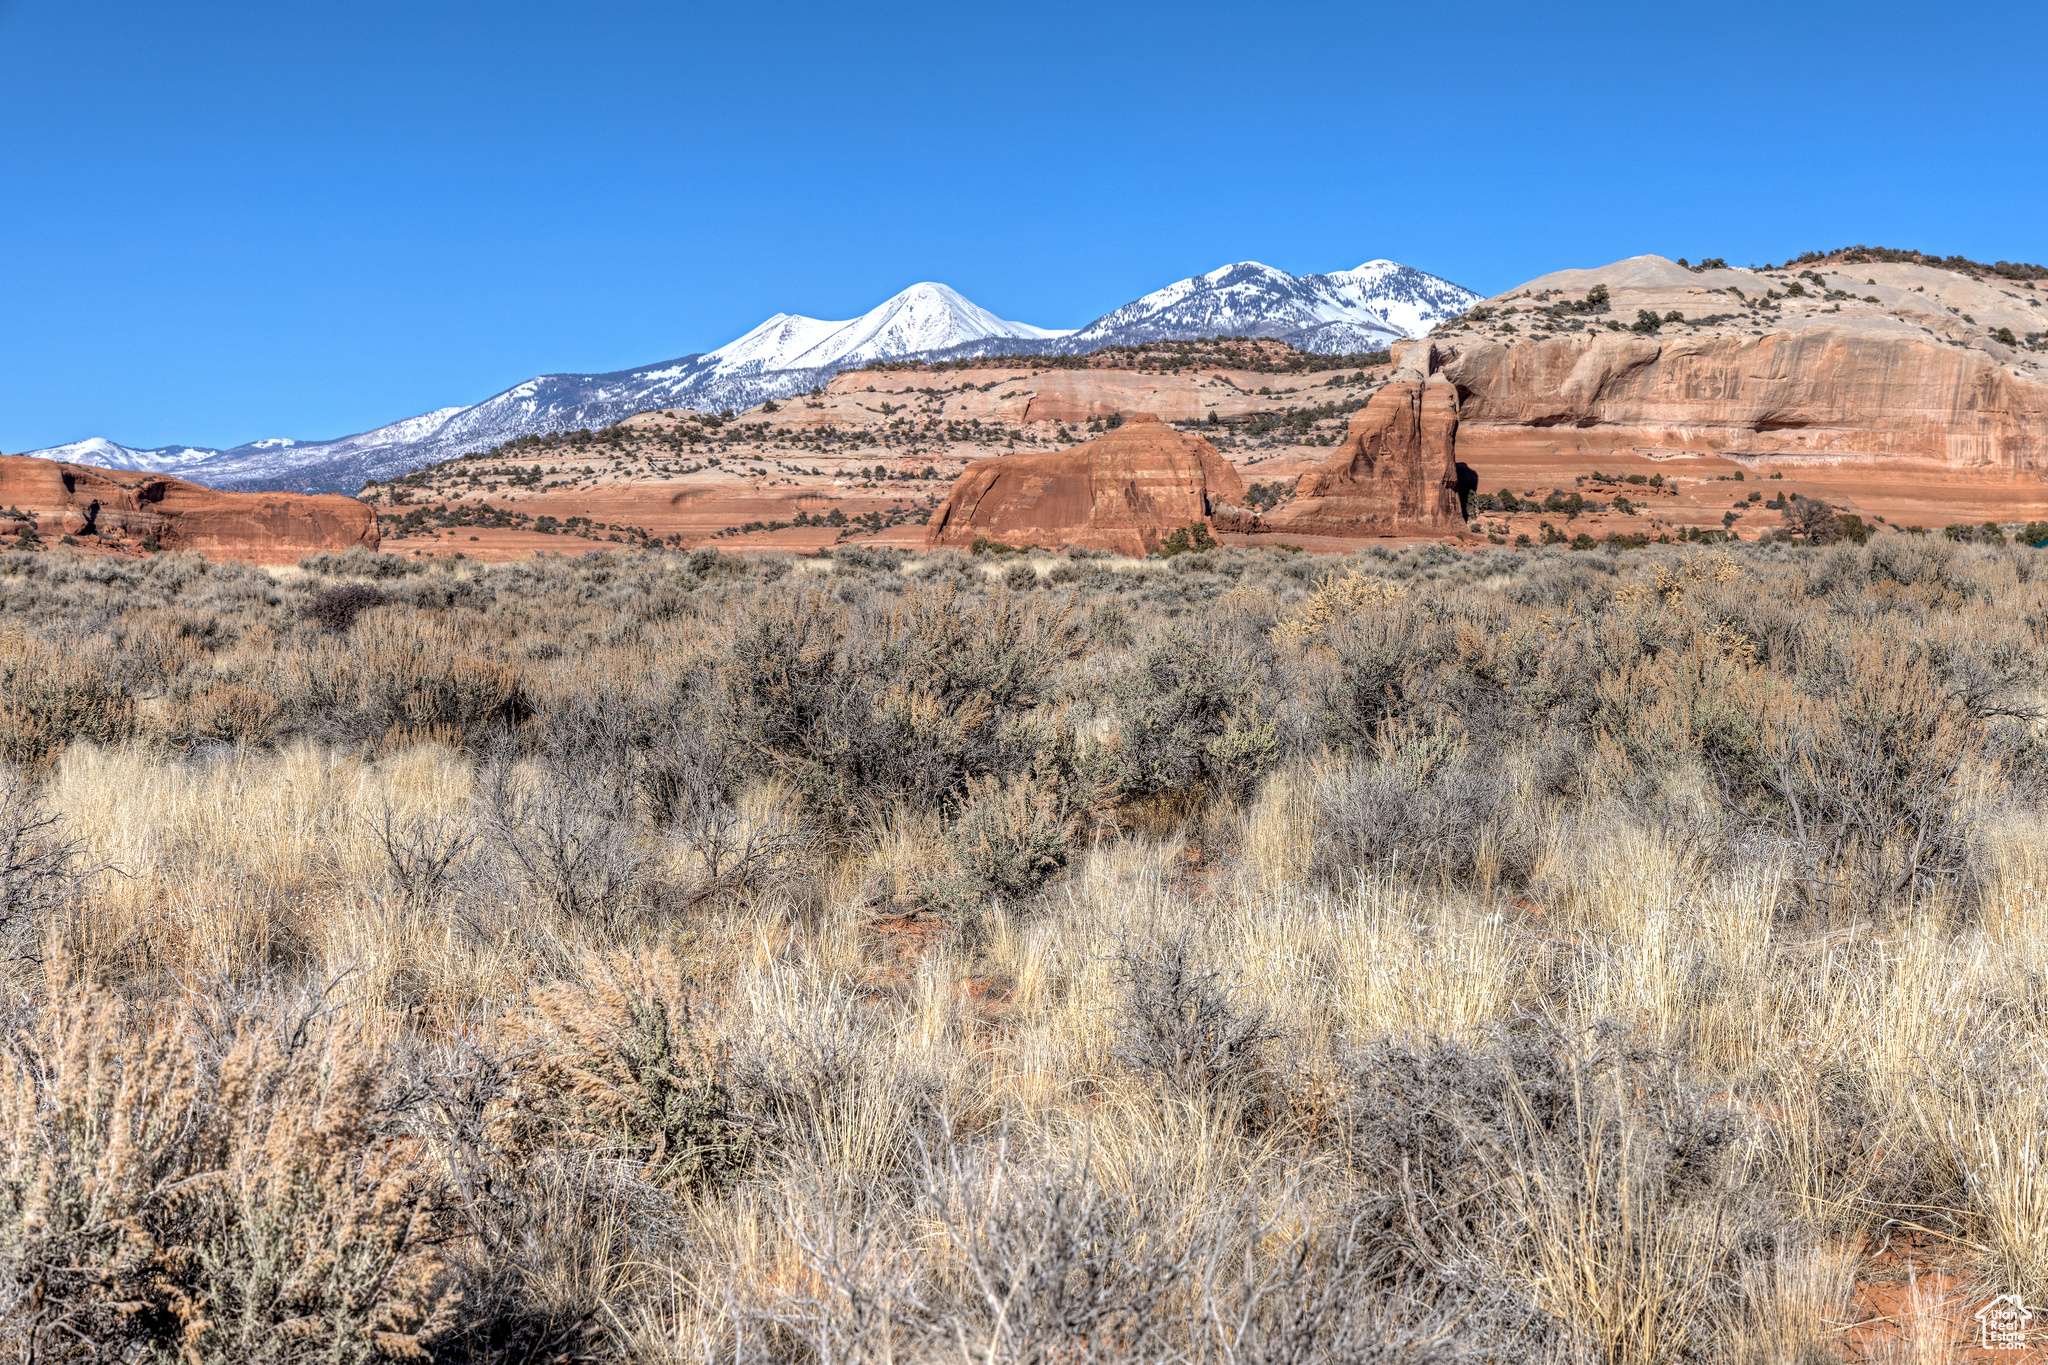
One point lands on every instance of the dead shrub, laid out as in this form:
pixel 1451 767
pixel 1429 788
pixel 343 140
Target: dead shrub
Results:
pixel 1180 1029
pixel 1190 717
pixel 157 1203
pixel 1046 1255
pixel 858 709
pixel 414 675
pixel 1011 838
pixel 424 855
pixel 614 1063
pixel 227 713
pixel 1429 807
pixel 685 778
pixel 334 609
pixel 564 840
pixel 40 868
pixel 1867 779
pixel 1584 1169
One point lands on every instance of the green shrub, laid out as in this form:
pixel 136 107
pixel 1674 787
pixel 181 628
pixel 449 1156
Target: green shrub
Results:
pixel 1190 539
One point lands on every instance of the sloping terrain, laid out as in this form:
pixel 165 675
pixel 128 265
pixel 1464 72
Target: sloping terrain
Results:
pixel 785 354
pixel 1644 400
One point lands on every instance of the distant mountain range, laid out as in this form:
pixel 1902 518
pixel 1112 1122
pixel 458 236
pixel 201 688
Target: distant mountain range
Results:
pixel 1339 312
pixel 1345 310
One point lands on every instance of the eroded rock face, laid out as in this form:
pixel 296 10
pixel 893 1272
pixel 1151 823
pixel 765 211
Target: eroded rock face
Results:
pixel 1845 360
pixel 1814 392
pixel 129 511
pixel 1124 492
pixel 1397 471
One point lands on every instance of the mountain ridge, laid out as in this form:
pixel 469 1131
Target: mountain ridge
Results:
pixel 1365 308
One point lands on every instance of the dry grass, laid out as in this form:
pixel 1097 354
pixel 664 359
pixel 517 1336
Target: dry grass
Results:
pixel 1450 959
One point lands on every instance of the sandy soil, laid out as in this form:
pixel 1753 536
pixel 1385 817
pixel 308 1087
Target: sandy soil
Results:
pixel 1911 1305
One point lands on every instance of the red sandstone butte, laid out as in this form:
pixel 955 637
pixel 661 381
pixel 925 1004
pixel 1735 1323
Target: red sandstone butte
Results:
pixel 1124 492
pixel 129 511
pixel 1397 472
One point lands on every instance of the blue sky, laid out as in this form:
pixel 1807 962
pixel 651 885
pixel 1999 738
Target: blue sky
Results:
pixel 224 221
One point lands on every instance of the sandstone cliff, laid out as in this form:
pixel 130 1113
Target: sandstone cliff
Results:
pixel 1125 492
pixel 1397 472
pixel 1838 361
pixel 1813 392
pixel 123 510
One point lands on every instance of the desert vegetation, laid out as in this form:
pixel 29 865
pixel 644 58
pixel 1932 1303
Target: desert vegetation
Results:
pixel 1428 955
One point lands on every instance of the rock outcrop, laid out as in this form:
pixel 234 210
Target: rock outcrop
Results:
pixel 1397 472
pixel 123 510
pixel 1806 393
pixel 1844 359
pixel 1125 491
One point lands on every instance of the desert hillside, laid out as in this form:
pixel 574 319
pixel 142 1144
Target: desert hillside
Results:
pixel 1865 292
pixel 949 720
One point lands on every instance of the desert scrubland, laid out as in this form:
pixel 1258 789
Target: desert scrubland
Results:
pixel 1420 955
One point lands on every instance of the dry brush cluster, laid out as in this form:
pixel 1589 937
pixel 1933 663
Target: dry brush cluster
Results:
pixel 1425 956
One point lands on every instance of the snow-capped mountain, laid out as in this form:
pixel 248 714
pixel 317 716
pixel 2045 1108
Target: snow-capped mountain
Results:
pixel 1344 311
pixel 784 355
pixel 98 450
pixel 924 318
pixel 310 466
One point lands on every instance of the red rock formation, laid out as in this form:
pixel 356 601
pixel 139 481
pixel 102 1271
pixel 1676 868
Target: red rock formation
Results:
pixel 1849 362
pixel 129 511
pixel 1124 492
pixel 1817 392
pixel 1397 473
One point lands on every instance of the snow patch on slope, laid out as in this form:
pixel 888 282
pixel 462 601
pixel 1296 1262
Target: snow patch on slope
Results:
pixel 106 454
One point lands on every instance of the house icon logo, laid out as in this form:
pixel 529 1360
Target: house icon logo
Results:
pixel 2003 1323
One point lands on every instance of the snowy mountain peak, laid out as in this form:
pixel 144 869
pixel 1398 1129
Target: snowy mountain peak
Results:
pixel 106 454
pixel 1344 311
pixel 1243 270
pixel 930 291
pixel 772 344
pixel 92 449
pixel 926 316
pixel 1347 310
